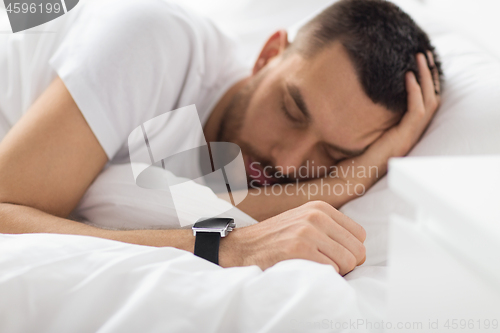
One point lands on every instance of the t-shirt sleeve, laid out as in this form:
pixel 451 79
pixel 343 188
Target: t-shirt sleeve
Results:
pixel 125 62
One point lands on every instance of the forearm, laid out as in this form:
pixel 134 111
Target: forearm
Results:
pixel 346 181
pixel 299 234
pixel 17 219
pixel 262 203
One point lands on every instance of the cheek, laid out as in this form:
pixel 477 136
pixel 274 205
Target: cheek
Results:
pixel 260 128
pixel 263 122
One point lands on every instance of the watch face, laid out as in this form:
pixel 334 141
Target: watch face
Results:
pixel 214 223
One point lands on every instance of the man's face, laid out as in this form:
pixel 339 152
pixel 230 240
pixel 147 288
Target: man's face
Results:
pixel 303 112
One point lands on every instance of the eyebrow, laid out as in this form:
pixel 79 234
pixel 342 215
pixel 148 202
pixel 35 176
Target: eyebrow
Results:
pixel 294 91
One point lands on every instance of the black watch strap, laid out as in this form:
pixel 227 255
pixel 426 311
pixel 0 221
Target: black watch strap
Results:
pixel 206 246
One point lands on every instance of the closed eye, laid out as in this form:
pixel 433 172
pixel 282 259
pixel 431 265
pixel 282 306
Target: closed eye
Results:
pixel 339 154
pixel 288 114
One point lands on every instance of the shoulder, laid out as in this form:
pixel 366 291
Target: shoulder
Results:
pixel 143 16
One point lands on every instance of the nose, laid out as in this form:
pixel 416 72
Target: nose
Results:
pixel 292 152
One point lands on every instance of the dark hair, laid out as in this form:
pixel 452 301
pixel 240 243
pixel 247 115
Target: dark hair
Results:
pixel 381 41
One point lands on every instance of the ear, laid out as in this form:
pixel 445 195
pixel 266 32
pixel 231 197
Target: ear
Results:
pixel 275 45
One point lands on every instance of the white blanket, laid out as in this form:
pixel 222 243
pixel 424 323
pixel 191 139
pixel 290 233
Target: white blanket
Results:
pixel 61 283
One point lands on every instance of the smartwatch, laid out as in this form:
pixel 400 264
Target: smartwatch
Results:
pixel 208 232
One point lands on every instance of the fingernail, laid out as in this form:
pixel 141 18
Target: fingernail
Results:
pixel 421 59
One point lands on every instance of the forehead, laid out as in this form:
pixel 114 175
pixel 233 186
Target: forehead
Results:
pixel 340 110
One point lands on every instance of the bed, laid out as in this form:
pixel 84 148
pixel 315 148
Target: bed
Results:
pixel 65 283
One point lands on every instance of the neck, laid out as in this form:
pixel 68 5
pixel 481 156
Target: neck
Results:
pixel 214 120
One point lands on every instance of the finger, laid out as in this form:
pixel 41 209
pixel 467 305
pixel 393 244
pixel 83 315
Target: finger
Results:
pixel 435 75
pixel 342 257
pixel 426 82
pixel 434 71
pixel 343 220
pixel 321 258
pixel 416 107
pixel 334 232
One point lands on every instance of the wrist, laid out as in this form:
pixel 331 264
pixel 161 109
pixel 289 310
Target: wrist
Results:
pixel 230 254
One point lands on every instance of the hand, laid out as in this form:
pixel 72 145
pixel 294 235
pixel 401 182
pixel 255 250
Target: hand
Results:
pixel 314 231
pixel 423 101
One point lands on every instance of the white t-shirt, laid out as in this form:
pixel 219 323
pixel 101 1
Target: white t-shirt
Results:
pixel 124 62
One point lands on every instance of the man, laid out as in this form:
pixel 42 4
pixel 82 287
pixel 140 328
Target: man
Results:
pixel 343 93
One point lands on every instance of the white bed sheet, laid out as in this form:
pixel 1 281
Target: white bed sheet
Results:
pixel 63 283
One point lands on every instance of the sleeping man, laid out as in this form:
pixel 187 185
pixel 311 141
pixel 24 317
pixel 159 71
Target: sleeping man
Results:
pixel 358 85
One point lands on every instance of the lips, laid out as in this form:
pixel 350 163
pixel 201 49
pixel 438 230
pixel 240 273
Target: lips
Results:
pixel 256 173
